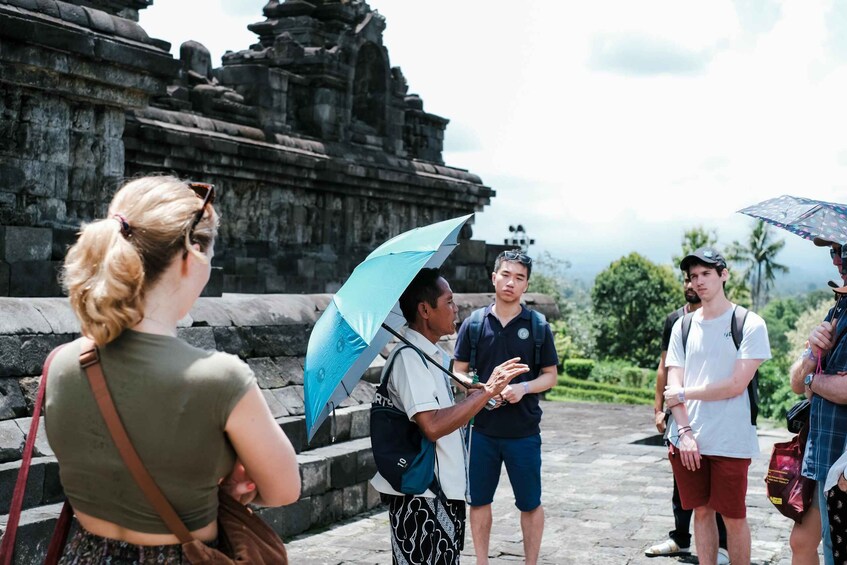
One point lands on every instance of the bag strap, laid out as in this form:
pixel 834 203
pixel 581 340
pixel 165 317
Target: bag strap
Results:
pixel 475 330
pixel 7 547
pixel 739 316
pixel 386 372
pixel 539 323
pixel 89 359
pixel 686 329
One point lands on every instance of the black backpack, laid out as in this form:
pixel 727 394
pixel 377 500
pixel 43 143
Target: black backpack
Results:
pixel 403 455
pixel 739 315
pixel 539 323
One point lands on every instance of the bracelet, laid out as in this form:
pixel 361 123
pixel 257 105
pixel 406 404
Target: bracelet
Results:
pixel 809 354
pixel 525 387
pixel 681 395
pixel 684 429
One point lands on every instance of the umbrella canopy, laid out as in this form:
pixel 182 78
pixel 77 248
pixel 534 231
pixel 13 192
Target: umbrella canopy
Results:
pixel 805 217
pixel 349 334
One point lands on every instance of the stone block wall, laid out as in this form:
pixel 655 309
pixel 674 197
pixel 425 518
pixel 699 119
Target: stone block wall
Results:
pixel 270 332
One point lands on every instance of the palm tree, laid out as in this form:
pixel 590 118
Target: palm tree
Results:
pixel 759 256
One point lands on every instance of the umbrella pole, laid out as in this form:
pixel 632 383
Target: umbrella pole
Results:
pixel 430 359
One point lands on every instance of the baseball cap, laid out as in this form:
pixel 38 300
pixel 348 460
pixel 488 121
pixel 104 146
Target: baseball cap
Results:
pixel 706 255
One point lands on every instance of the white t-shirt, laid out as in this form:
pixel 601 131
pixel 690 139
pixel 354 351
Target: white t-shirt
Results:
pixel 413 388
pixel 721 427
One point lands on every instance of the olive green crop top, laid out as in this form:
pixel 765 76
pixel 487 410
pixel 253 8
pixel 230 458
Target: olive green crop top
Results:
pixel 174 401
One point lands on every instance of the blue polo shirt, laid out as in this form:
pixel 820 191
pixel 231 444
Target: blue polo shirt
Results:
pixel 496 345
pixel 827 420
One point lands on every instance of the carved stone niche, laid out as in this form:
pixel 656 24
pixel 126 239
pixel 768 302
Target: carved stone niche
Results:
pixel 369 91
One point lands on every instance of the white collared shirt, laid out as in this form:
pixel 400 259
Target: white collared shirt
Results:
pixel 414 387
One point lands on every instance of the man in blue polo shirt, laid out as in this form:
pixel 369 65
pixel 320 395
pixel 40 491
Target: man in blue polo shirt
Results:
pixel 509 434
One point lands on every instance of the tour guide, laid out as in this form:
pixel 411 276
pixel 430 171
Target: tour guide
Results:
pixel 427 528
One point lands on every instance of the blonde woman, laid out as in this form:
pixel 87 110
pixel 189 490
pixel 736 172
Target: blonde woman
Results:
pixel 196 418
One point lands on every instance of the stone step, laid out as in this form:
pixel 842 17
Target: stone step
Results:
pixel 34 531
pixel 43 485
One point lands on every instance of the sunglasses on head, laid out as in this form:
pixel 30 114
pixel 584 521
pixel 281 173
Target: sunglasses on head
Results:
pixel 518 256
pixel 205 192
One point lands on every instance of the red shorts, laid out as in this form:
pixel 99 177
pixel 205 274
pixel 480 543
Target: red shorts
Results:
pixel 720 483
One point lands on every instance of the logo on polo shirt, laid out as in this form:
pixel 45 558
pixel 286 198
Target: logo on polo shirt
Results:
pixel 523 333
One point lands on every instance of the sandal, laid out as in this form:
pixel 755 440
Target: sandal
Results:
pixel 667 548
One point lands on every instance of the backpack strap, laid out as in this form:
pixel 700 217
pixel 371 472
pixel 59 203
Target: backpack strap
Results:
pixel 386 372
pixel 539 326
pixel 739 316
pixel 475 330
pixel 686 329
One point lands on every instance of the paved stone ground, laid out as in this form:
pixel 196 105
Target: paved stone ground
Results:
pixel 606 500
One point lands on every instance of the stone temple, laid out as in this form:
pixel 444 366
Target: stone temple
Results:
pixel 319 152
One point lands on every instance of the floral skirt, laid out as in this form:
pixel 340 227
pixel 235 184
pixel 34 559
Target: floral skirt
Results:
pixel 85 548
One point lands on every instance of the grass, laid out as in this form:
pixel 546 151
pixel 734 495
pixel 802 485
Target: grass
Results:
pixel 570 389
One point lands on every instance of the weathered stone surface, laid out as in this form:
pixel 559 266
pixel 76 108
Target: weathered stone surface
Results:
pixel 10 356
pixel 204 338
pixel 29 388
pixel 327 508
pixel 58 314
pixel 11 441
pixel 34 278
pixel 288 520
pixel 229 339
pixel 365 465
pixel 210 312
pixel 34 484
pixel 267 372
pixel 343 470
pixel 354 499
pixel 12 404
pixel 292 398
pixel 21 317
pixel 19 243
pixel 360 421
pixel 290 369
pixel 35 349
pixel 314 474
pixel 295 428
pixel 277 408
pixel 42 446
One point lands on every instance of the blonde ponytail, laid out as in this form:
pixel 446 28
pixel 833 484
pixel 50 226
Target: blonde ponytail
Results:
pixel 115 260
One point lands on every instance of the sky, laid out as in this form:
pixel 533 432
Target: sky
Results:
pixel 612 126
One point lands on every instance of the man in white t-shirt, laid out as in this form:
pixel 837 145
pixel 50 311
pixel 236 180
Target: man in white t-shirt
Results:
pixel 427 528
pixel 712 436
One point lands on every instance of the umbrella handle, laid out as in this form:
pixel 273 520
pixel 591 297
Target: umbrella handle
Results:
pixel 491 402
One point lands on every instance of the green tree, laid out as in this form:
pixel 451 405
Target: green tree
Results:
pixel 758 256
pixel 574 330
pixel 631 299
pixel 694 239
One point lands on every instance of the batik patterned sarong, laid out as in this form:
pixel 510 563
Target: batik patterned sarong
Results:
pixel 426 531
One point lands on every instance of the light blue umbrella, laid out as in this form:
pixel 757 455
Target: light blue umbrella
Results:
pixel 362 315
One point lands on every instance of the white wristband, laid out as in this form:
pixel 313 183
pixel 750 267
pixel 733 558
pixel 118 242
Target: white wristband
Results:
pixel 525 387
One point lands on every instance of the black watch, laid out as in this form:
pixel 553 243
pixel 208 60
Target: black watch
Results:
pixel 808 380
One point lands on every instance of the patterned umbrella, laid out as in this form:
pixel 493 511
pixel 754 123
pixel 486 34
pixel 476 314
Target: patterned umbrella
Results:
pixel 807 218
